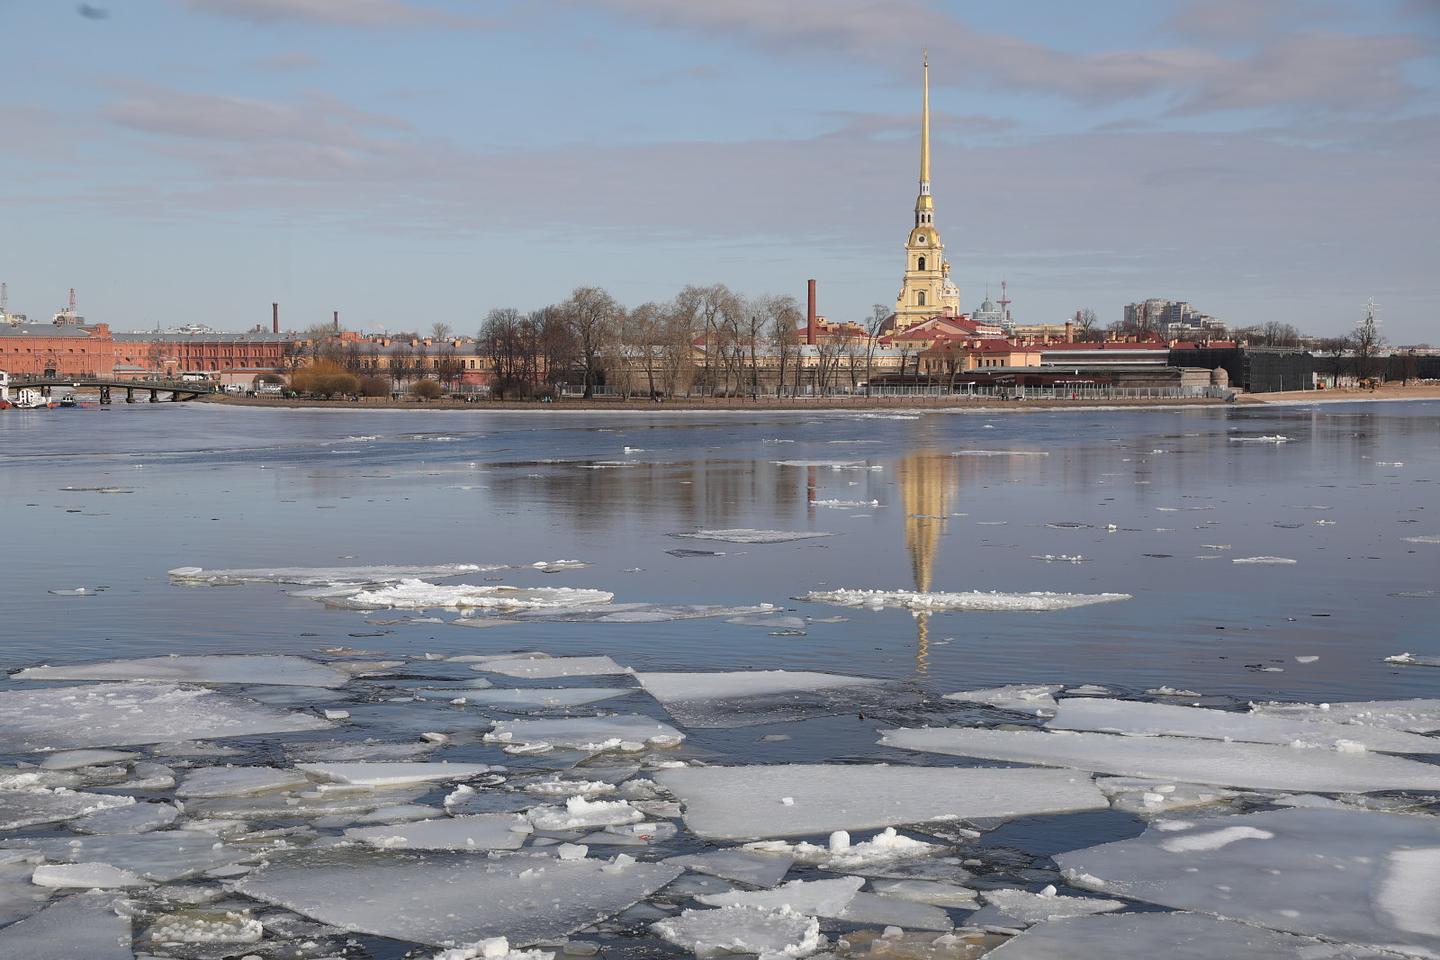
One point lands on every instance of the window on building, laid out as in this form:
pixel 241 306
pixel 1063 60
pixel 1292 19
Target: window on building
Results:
pixel 921 263
pixel 920 299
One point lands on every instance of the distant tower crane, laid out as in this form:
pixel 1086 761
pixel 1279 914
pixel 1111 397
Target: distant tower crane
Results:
pixel 1004 301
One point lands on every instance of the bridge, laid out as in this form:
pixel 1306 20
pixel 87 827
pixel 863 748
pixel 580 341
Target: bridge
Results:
pixel 177 390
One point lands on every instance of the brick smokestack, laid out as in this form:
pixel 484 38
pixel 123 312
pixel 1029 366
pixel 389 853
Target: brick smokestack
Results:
pixel 336 318
pixel 810 315
pixel 274 318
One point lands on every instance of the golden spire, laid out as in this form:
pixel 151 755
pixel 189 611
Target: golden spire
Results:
pixel 924 206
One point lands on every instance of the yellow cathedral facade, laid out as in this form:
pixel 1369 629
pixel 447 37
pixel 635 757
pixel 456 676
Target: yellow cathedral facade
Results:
pixel 927 290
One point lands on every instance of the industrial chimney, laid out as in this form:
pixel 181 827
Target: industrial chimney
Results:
pixel 810 315
pixel 274 318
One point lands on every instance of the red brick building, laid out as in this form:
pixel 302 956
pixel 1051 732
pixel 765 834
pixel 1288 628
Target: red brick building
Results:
pixel 46 349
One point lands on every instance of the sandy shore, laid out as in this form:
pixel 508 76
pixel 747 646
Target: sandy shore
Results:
pixel 1419 391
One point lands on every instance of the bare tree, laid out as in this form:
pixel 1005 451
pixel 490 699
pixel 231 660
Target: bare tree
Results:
pixel 879 314
pixel 644 342
pixel 1085 321
pixel 591 316
pixel 678 347
pixel 439 331
pixel 1366 344
pixel 402 362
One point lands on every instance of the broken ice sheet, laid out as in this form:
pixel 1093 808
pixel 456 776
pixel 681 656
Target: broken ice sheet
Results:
pixel 742 866
pixel 746 535
pixel 238 781
pixel 122 714
pixel 136 818
pixel 579 813
pixel 1415 660
pixel 818 898
pixel 1416 716
pixel 773 934
pixel 1029 908
pixel 272 670
pixel 422 595
pixel 325 576
pixel 1357 876
pixel 81 926
pixel 488 831
pixel 1154 797
pixel 747 697
pixel 1174 936
pixel 162 855
pixel 750 802
pixel 972 601
pixel 1253 765
pixel 394 774
pixel 444 899
pixel 1035 699
pixel 1165 719
pixel 642 612
pixel 27 808
pixel 525 699
pixel 586 733
pixel 549 668
pixel 18 896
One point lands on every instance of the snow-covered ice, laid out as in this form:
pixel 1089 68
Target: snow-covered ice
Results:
pixel 818 898
pixel 392 774
pixel 206 926
pixel 135 818
pixel 1273 561
pixel 975 600
pixel 325 576
pixel 1357 876
pixel 80 927
pixel 27 808
pixel 747 535
pixel 1417 716
pixel 1166 719
pixel 773 934
pixel 537 698
pixel 586 733
pixel 747 802
pixel 123 714
pixel 85 876
pixel 481 831
pixel 422 595
pixel 550 668
pixel 443 899
pixel 743 866
pixel 581 813
pixel 840 853
pixel 1035 699
pixel 1417 660
pixel 1027 907
pixel 218 668
pixel 1253 765
pixel 1154 797
pixel 238 781
pixel 162 856
pixel 72 759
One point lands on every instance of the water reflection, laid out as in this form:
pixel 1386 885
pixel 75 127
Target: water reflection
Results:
pixel 927 480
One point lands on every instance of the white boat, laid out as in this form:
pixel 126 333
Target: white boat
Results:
pixel 28 398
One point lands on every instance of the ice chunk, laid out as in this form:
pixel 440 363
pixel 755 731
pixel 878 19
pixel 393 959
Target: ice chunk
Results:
pixel 339 751
pixel 207 926
pixel 448 898
pixel 1000 453
pixel 975 600
pixel 818 898
pixel 84 876
pixel 579 813
pixel 1027 907
pixel 937 893
pixel 1273 561
pixel 640 612
pixel 885 847
pixel 220 668
pixel 1174 936
pixel 81 926
pixel 26 808
pixel 744 697
pixel 745 802
pixel 1415 660
pixel 1253 765
pixel 895 912
pixel 845 504
pixel 1166 719
pixel 163 855
pixel 485 831
pixel 538 698
pixel 1358 876
pixel 238 781
pixel 587 733
pixel 136 818
pixel 1035 699
pixel 774 934
pixel 19 897
pixel 1152 797
pixel 72 759
pixel 325 576
pixel 381 774
pixel 548 668
pixel 1417 716
pixel 122 714
pixel 742 866
pixel 422 595
pixel 746 535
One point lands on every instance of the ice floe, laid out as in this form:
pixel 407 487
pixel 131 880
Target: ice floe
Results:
pixel 393 774
pixel 72 759
pixel 1417 716
pixel 238 781
pixel 747 697
pixel 222 668
pixel 82 926
pixel 637 613
pixel 1357 876
pixel 1416 660
pixel 444 899
pixel 1174 936
pixel 1272 561
pixel 975 600
pixel 1028 908
pixel 85 876
pixel 535 698
pixel 587 733
pixel 747 535
pixel 749 802
pixel 1036 699
pixel 550 668
pixel 123 714
pixel 581 813
pixel 206 926
pixel 482 831
pixel 1253 765
pixel 27 808
pixel 1154 797
pixel 1165 719
pixel 1000 453
pixel 742 866
pixel 326 576
pixel 840 853
pixel 162 856
pixel 845 504
pixel 773 934
pixel 135 818
pixel 423 595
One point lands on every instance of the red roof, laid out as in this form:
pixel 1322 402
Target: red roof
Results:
pixel 1105 345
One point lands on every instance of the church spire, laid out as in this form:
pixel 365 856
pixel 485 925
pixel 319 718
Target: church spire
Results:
pixel 924 206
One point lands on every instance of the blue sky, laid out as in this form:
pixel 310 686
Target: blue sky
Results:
pixel 414 161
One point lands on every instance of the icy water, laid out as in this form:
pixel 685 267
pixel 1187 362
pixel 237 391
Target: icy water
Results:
pixel 1229 554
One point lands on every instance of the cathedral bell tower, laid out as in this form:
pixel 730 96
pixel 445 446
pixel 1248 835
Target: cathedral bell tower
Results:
pixel 926 289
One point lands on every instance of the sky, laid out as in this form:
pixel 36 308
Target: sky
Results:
pixel 407 162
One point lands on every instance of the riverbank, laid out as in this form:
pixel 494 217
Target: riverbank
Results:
pixel 1419 391
pixel 952 404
